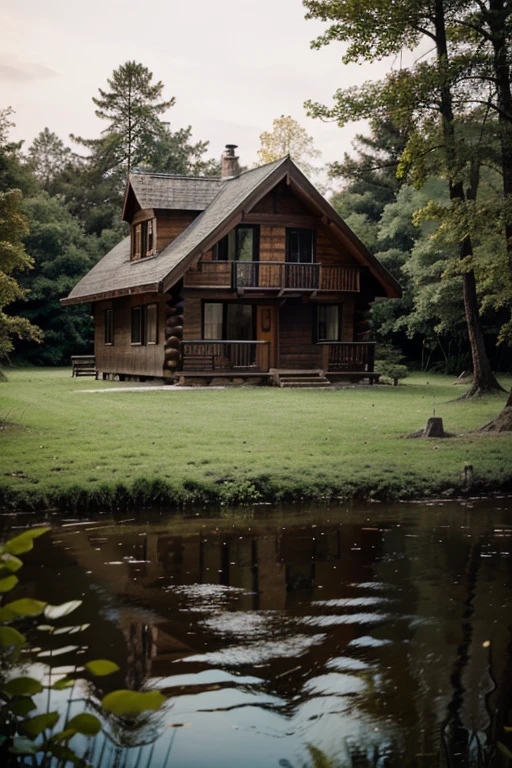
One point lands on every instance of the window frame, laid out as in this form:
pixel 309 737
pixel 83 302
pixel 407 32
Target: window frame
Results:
pixel 143 239
pixel 108 327
pixel 298 230
pixel 316 323
pixel 223 244
pixel 147 340
pixel 225 305
pixel 140 324
pixel 142 310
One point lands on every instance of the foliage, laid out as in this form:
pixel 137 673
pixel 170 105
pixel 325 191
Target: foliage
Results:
pixel 287 137
pixel 131 107
pixel 47 157
pixel 61 254
pixel 389 362
pixel 176 153
pixel 13 258
pixel 25 734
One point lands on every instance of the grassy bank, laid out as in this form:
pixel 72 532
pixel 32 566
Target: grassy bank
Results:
pixel 65 447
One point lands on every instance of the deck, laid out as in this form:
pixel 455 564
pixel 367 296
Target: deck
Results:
pixel 277 277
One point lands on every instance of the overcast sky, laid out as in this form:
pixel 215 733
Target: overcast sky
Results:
pixel 232 65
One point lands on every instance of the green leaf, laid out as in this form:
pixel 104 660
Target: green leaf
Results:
pixel 23 746
pixel 101 667
pixel 36 725
pixel 60 685
pixel 64 753
pixel 124 702
pixel 10 637
pixel 64 735
pixel 22 705
pixel 58 611
pixel 10 563
pixel 24 542
pixel 23 686
pixel 88 725
pixel 24 607
pixel 8 583
pixel 504 750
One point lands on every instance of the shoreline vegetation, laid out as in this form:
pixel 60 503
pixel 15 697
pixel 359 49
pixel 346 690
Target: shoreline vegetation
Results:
pixel 74 451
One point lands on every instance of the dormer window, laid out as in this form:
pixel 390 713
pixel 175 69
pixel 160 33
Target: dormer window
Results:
pixel 143 239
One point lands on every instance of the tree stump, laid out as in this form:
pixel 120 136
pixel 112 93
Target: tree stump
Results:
pixel 434 428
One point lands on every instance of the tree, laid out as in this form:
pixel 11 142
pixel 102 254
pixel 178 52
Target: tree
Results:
pixel 47 157
pixel 287 137
pixel 131 107
pixel 61 254
pixel 13 257
pixel 422 95
pixel 13 174
pixel 176 153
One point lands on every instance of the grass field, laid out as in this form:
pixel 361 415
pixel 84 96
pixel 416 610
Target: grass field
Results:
pixel 65 447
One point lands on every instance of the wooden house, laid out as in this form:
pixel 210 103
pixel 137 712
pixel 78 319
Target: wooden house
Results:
pixel 249 276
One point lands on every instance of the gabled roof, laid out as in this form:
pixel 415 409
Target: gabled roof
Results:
pixel 115 274
pixel 184 193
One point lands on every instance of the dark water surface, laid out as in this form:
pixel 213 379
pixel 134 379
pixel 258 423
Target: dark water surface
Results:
pixel 362 633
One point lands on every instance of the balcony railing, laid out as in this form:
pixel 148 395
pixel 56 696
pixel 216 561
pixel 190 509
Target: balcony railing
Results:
pixel 348 356
pixel 273 276
pixel 226 356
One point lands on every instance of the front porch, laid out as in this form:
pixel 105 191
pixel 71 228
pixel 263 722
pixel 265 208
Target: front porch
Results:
pixel 230 359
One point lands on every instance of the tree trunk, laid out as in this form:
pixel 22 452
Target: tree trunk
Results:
pixel 503 421
pixel 483 379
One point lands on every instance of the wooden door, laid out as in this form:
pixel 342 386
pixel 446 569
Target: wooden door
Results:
pixel 266 330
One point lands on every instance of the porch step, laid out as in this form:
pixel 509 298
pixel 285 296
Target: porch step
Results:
pixel 303 380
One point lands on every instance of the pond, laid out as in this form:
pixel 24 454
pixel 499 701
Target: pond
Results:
pixel 316 636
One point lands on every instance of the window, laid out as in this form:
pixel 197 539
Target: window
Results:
pixel 328 327
pixel 137 329
pixel 108 326
pixel 242 244
pixel 212 321
pixel 143 239
pixel 233 322
pixel 300 246
pixel 145 324
pixel 151 324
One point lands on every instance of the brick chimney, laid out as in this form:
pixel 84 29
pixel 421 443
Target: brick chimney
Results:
pixel 229 162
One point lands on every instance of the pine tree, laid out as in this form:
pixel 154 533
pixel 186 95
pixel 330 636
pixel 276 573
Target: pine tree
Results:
pixel 132 107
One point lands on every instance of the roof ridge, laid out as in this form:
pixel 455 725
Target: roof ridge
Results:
pixel 155 174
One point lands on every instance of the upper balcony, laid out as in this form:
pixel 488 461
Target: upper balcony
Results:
pixel 272 276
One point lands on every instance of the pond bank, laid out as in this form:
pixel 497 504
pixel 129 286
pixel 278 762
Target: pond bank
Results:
pixel 66 449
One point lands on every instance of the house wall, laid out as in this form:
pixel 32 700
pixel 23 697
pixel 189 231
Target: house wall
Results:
pixel 123 357
pixel 170 224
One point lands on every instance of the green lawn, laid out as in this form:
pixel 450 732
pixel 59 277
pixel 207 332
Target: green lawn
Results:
pixel 64 446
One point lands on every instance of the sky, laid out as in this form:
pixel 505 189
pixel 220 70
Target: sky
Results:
pixel 233 66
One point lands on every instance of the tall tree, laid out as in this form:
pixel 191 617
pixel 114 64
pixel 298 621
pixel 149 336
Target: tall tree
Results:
pixel 287 137
pixel 422 94
pixel 131 106
pixel 47 157
pixel 13 258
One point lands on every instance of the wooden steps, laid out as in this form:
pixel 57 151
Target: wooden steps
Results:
pixel 303 380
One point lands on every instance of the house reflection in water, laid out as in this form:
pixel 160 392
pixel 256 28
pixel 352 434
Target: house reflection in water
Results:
pixel 269 636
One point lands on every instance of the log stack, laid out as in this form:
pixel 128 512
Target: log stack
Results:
pixel 173 333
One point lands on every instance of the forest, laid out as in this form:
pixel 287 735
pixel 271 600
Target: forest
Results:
pixel 427 186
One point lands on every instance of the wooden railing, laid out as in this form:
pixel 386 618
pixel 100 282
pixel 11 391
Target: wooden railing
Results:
pixel 226 356
pixel 348 356
pixel 273 275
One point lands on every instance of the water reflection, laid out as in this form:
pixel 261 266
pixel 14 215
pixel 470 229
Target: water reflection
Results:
pixel 364 635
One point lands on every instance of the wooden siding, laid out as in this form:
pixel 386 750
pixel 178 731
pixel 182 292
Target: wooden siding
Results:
pixel 122 357
pixel 170 224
